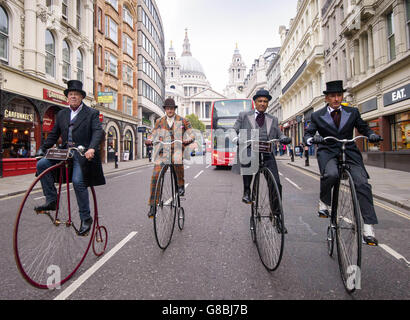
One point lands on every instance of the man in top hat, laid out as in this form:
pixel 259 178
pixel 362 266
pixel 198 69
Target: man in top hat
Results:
pixel 167 129
pixel 76 125
pixel 267 128
pixel 339 121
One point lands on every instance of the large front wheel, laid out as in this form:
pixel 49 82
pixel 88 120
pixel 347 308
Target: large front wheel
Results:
pixel 165 206
pixel 348 231
pixel 268 221
pixel 47 249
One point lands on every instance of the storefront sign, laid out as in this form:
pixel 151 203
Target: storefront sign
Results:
pixel 368 106
pixel 48 120
pixel 54 96
pixel 141 129
pixel 397 95
pixel 18 115
pixel 105 97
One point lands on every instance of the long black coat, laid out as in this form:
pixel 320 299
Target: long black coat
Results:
pixel 87 131
pixel 322 122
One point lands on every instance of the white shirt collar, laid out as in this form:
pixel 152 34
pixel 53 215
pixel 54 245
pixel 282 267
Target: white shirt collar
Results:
pixel 170 120
pixel 74 113
pixel 330 109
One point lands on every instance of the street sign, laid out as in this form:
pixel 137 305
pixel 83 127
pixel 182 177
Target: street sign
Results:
pixel 105 97
pixel 142 129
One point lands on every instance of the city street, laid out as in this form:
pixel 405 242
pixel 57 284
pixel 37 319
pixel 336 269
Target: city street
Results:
pixel 214 256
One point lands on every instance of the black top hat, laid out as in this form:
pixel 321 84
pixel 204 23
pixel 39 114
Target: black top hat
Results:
pixel 75 85
pixel 262 93
pixel 334 87
pixel 170 103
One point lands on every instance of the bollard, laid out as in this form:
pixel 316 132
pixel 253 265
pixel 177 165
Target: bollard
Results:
pixel 116 160
pixel 307 157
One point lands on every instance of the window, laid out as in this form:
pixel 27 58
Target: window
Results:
pixel 99 19
pixel 127 45
pixel 390 37
pixel 78 18
pixel 50 54
pixel 80 66
pixel 66 61
pixel 127 75
pixel 113 3
pixel 111 29
pixel 408 22
pixel 127 17
pixel 100 57
pixel 49 3
pixel 4 35
pixel 64 9
pixel 127 105
pixel 111 64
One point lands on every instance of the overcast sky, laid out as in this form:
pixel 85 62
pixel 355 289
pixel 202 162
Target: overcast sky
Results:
pixel 215 26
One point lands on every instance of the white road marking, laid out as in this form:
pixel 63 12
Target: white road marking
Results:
pixel 76 284
pixel 127 174
pixel 208 166
pixel 294 184
pixel 395 254
pixel 280 173
pixel 198 174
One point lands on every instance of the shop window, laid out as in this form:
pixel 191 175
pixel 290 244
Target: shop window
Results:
pixel 4 35
pixel 400 131
pixel 112 142
pixel 20 128
pixel 375 126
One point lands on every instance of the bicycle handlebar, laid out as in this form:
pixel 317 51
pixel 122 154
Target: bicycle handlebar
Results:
pixel 247 141
pixel 159 141
pixel 344 140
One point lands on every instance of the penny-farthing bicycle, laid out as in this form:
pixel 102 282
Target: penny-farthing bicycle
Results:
pixel 267 220
pixel 47 247
pixel 167 203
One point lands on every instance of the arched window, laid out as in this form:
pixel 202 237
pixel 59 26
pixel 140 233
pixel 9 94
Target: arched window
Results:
pixel 80 66
pixel 50 54
pixel 4 35
pixel 66 61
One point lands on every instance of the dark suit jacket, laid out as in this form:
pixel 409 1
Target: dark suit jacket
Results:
pixel 87 131
pixel 246 120
pixel 322 122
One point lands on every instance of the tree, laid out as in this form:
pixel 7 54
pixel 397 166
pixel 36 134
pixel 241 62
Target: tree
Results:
pixel 195 122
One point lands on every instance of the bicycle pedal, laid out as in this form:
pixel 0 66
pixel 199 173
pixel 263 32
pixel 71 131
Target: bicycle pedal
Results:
pixel 83 235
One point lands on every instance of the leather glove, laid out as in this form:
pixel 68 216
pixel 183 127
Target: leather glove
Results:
pixel 373 138
pixel 318 139
pixel 285 140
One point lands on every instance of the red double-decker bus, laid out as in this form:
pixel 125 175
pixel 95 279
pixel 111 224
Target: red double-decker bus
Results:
pixel 224 115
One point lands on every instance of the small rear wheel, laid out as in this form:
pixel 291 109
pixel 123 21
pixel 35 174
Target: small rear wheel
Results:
pixel 181 218
pixel 100 240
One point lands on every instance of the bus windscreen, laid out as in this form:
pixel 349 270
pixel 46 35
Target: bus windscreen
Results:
pixel 226 111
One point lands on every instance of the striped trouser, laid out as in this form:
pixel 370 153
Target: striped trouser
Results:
pixel 179 170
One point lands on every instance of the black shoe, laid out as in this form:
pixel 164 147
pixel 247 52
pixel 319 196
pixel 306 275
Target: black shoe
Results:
pixel 181 191
pixel 51 206
pixel 323 213
pixel 151 212
pixel 247 196
pixel 85 227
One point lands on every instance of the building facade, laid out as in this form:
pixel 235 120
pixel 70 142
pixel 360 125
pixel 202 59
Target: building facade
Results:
pixel 273 84
pixel 43 44
pixel 151 67
pixel 377 37
pixel 187 84
pixel 256 77
pixel 115 77
pixel 302 68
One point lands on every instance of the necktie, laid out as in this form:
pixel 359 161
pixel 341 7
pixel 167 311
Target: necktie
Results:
pixel 260 119
pixel 336 114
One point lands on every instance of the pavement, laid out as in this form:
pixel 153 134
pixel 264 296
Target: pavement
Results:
pixel 388 185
